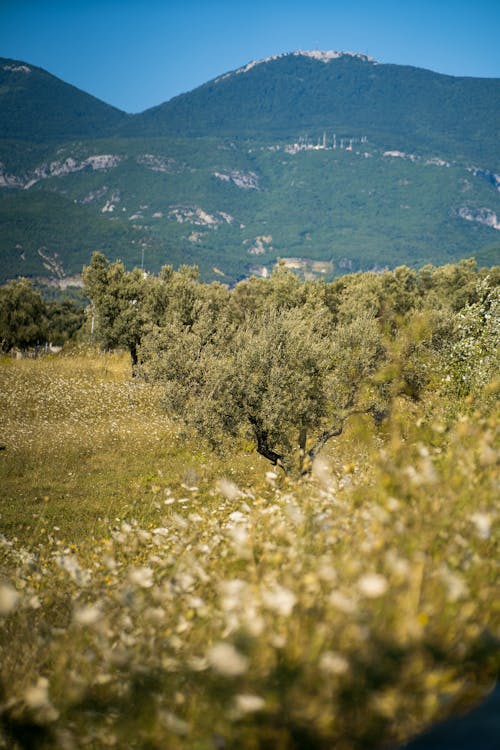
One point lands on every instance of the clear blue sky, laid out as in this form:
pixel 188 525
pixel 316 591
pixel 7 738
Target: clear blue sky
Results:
pixel 135 54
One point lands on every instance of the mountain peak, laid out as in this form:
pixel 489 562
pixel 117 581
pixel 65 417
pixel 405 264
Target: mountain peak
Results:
pixel 324 56
pixel 14 67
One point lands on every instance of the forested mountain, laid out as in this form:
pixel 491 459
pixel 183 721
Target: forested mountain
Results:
pixel 36 106
pixel 329 160
pixel 397 106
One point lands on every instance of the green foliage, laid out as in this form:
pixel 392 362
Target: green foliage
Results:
pixel 400 107
pixel 36 106
pixel 26 320
pixel 23 316
pixel 208 197
pixel 65 318
pixel 119 302
pixel 473 353
pixel 285 363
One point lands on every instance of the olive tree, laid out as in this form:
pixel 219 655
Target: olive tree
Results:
pixel 120 301
pixel 283 377
pixel 23 316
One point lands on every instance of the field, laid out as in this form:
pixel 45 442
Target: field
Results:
pixel 155 594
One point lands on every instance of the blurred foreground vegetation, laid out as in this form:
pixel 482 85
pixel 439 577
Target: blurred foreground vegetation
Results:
pixel 165 586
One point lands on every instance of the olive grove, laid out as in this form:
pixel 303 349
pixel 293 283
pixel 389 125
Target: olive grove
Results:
pixel 286 363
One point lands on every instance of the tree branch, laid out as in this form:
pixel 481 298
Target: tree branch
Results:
pixel 377 414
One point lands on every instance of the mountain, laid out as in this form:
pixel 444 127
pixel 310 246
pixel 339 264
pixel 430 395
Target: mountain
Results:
pixel 36 106
pixel 398 106
pixel 329 160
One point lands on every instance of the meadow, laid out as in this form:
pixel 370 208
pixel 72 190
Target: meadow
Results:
pixel 156 594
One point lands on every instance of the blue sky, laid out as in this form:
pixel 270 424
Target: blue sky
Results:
pixel 136 54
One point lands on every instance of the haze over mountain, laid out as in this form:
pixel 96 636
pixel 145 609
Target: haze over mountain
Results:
pixel 328 159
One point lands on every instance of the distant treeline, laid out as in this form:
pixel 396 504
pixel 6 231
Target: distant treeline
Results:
pixel 28 320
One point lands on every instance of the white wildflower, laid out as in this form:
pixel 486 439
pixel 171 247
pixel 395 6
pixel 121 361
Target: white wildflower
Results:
pixel 173 723
pixel 228 489
pixel 333 663
pixel 160 531
pixel 87 615
pixel 225 659
pixel 295 513
pixel 279 599
pixel 233 595
pixel 398 565
pixel 70 564
pixel 393 504
pixel 457 588
pixel 321 470
pixel 245 703
pixel 482 522
pixel 37 696
pixel 372 585
pixel 142 577
pixel 326 572
pixel 238 517
pixel 342 602
pixel 8 599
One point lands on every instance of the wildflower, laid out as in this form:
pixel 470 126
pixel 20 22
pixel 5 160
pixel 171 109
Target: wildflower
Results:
pixel 326 572
pixel 233 593
pixel 228 489
pixel 173 723
pixel 8 599
pixel 87 615
pixel 333 663
pixel 482 522
pixel 372 585
pixel 280 600
pixel 238 517
pixel 245 703
pixel 321 471
pixel 142 577
pixel 342 602
pixel 37 696
pixel 457 588
pixel 225 659
pixel 69 563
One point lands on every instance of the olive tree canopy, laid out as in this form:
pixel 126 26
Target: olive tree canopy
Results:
pixel 283 376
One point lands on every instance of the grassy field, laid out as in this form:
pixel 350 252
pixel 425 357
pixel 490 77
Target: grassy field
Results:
pixel 154 594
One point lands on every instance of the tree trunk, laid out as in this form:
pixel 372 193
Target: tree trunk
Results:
pixel 262 445
pixel 134 357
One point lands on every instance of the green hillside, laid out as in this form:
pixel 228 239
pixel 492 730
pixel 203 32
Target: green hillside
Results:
pixel 37 106
pixel 335 166
pixel 398 106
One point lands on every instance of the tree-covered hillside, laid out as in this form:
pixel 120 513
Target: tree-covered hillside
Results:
pixel 335 166
pixel 397 106
pixel 37 106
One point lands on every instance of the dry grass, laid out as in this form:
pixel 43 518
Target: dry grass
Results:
pixel 158 596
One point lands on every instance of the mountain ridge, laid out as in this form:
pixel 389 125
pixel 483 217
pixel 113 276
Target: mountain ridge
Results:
pixel 396 104
pixel 25 91
pixel 330 160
